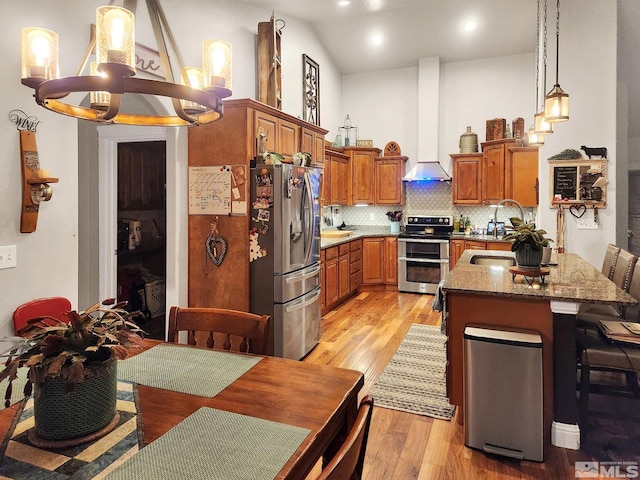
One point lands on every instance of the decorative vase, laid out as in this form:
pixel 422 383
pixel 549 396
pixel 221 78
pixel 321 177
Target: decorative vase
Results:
pixel 528 257
pixel 468 142
pixel 395 227
pixel 88 408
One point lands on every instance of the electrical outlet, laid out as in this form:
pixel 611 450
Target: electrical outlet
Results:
pixel 372 216
pixel 8 256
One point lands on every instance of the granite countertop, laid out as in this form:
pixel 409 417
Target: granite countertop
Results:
pixel 358 232
pixel 480 238
pixel 573 279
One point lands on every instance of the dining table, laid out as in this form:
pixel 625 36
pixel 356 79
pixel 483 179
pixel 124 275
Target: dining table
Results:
pixel 319 402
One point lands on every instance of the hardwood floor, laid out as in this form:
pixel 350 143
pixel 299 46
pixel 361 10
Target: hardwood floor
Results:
pixel 363 334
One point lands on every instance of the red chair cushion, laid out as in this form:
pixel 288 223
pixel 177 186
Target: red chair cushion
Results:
pixel 56 307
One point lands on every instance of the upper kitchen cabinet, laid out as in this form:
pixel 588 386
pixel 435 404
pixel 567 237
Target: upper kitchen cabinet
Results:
pixel 336 177
pixel 313 143
pixel 467 178
pixel 388 173
pixel 493 169
pixel 501 171
pixel 269 64
pixel 281 135
pixel 521 180
pixel 361 160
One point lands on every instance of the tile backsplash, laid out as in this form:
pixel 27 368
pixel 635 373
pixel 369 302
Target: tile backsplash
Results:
pixel 428 198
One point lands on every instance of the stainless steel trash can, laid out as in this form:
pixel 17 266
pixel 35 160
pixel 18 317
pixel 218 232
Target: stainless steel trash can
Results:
pixel 503 392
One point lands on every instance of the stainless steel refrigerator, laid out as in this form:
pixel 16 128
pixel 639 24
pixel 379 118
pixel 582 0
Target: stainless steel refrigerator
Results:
pixel 285 255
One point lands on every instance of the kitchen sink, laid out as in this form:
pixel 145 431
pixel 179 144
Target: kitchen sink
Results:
pixel 493 260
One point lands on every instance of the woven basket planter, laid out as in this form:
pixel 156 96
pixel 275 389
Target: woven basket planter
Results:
pixel 527 256
pixel 90 407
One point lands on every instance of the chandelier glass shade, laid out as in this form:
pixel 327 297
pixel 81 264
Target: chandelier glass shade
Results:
pixel 556 102
pixel 540 124
pixel 533 138
pixel 196 100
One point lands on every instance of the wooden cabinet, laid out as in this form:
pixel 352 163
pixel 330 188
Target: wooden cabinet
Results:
pixel 501 171
pixel 457 246
pixel 282 136
pixel 391 260
pixel 380 261
pixel 269 64
pixel 141 175
pixel 362 174
pixel 388 173
pixel 344 273
pixel 332 277
pixel 493 173
pixel 336 177
pixel 467 178
pixel 355 258
pixel 322 280
pixel 313 143
pixel 521 180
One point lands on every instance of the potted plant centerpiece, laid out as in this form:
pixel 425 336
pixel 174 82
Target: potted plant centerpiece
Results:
pixel 528 243
pixel 72 370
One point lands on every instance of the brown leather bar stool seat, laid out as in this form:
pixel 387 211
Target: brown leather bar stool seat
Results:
pixel 623 266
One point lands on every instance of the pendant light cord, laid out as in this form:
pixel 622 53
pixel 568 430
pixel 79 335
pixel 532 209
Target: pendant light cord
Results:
pixel 544 57
pixel 537 57
pixel 557 39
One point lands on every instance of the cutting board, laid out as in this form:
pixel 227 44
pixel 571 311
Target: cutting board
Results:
pixel 336 233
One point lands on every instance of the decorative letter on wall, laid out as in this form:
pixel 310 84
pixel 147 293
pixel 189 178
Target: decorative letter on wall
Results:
pixel 311 90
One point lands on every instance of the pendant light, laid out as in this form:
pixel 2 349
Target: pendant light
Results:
pixel 540 124
pixel 533 138
pixel 556 103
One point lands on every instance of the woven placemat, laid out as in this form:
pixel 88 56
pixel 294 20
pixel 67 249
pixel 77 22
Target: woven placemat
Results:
pixel 187 370
pixel 214 444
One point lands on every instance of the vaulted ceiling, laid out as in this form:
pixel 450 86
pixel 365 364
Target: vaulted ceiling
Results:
pixel 407 30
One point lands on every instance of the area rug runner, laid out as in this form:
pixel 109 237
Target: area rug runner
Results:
pixel 414 380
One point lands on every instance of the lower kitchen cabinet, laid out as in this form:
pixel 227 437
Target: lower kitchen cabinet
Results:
pixel 331 277
pixel 380 261
pixel 355 267
pixel 344 273
pixel 341 273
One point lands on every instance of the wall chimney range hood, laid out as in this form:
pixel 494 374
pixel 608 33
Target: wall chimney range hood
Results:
pixel 427 171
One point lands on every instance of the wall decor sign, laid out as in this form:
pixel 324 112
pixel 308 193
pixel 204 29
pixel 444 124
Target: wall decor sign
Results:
pixel 148 61
pixel 310 90
pixel 23 121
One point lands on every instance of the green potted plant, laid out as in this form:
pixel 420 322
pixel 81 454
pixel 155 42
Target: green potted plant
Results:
pixel 528 243
pixel 72 369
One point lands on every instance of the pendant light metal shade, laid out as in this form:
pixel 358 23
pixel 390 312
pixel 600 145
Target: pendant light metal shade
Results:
pixel 540 125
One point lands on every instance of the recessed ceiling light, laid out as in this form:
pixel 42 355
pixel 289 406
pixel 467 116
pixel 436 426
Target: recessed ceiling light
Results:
pixel 470 25
pixel 377 39
pixel 344 3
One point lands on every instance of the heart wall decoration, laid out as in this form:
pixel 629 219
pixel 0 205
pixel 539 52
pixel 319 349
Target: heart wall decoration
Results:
pixel 578 210
pixel 216 249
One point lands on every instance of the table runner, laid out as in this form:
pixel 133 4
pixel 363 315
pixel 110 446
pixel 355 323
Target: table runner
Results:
pixel 215 445
pixel 186 370
pixel 22 461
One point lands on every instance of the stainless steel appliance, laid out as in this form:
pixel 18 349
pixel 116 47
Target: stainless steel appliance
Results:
pixel 285 255
pixel 423 253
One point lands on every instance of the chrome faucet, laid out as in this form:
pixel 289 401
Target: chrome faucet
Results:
pixel 495 214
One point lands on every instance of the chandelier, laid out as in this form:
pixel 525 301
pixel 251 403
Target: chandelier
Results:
pixel 196 100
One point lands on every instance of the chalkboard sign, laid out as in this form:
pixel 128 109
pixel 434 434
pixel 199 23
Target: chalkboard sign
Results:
pixel 565 182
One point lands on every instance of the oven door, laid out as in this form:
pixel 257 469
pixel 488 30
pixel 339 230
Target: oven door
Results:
pixel 422 264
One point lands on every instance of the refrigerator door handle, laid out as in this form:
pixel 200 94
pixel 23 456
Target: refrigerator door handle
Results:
pixel 308 216
pixel 299 306
pixel 303 276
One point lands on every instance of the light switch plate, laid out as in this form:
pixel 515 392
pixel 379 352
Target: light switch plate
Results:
pixel 8 256
pixel 587 223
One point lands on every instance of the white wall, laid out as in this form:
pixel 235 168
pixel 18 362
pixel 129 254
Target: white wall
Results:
pixel 48 258
pixel 588 75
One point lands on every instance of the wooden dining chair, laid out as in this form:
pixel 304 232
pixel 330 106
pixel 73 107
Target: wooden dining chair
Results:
pixel 349 459
pixel 220 329
pixel 56 307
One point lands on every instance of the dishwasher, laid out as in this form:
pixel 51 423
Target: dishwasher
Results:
pixel 503 406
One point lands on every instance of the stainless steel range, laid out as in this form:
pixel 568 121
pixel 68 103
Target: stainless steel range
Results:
pixel 423 253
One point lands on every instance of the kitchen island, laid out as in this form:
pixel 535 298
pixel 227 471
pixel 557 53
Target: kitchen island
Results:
pixel 488 295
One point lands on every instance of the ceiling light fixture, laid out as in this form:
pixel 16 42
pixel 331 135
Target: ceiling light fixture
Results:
pixel 470 25
pixel 198 100
pixel 344 3
pixel 556 103
pixel 377 39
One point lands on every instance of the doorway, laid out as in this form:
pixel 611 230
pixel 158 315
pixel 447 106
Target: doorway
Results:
pixel 141 247
pixel 633 231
